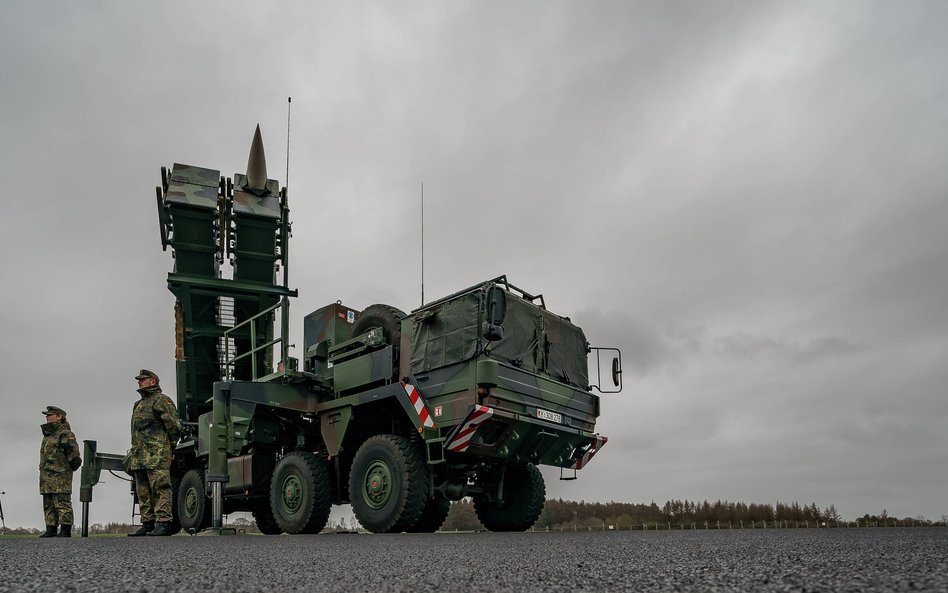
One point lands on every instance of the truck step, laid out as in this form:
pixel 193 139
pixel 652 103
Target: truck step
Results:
pixel 434 450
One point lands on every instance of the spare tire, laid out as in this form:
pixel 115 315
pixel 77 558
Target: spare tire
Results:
pixel 390 320
pixel 384 316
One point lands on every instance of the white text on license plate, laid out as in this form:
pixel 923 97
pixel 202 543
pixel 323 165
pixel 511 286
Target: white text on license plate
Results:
pixel 551 416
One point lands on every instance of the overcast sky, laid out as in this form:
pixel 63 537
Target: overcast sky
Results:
pixel 749 199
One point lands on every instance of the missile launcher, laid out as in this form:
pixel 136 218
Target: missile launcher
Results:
pixel 395 413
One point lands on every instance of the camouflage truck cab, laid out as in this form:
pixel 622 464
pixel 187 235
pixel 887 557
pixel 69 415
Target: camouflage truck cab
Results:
pixel 512 388
pixel 506 383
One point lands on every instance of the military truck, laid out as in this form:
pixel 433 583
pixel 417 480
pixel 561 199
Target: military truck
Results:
pixel 395 413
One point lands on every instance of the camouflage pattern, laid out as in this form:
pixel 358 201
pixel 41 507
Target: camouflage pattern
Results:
pixel 323 329
pixel 246 202
pixel 454 370
pixel 153 488
pixel 193 186
pixel 208 221
pixel 516 431
pixel 155 430
pixel 536 340
pixel 536 372
pixel 191 222
pixel 57 509
pixel 59 456
pixel 189 219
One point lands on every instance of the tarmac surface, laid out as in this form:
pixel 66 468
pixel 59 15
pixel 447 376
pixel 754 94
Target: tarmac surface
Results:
pixel 906 559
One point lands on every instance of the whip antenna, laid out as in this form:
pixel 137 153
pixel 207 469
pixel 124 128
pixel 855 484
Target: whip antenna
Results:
pixel 289 101
pixel 422 243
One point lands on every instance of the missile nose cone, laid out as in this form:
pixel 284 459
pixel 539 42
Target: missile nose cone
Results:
pixel 257 163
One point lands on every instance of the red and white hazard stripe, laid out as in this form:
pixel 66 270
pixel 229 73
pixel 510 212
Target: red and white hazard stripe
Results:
pixel 462 440
pixel 419 405
pixel 598 442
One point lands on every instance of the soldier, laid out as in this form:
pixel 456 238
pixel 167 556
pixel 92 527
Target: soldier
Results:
pixel 155 431
pixel 59 458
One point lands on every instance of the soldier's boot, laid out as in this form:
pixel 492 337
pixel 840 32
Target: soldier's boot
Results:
pixel 50 531
pixel 145 529
pixel 161 528
pixel 65 531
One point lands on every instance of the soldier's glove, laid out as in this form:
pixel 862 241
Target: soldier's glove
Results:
pixel 76 463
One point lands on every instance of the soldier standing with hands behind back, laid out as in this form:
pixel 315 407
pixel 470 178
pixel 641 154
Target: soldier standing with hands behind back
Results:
pixel 59 458
pixel 155 431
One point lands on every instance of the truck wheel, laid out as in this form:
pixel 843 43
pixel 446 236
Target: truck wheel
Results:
pixel 432 516
pixel 301 493
pixel 389 319
pixel 524 495
pixel 263 516
pixel 388 484
pixel 194 508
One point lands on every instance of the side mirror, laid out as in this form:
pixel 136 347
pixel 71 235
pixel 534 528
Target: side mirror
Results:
pixel 496 306
pixel 492 333
pixel 493 329
pixel 614 365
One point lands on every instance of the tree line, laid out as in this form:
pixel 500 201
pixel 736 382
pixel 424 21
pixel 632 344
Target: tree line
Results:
pixel 559 514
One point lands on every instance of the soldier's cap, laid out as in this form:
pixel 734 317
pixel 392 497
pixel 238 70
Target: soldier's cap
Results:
pixel 54 410
pixel 146 374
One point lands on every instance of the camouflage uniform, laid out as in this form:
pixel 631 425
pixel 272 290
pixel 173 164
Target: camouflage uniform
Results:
pixel 59 458
pixel 155 430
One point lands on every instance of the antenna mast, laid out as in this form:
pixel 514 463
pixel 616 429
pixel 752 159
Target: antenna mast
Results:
pixel 285 242
pixel 422 243
pixel 289 101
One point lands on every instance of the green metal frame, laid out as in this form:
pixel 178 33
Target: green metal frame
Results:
pixel 284 345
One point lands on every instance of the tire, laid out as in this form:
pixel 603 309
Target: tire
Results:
pixel 388 484
pixel 524 495
pixel 301 493
pixel 432 516
pixel 389 319
pixel 263 516
pixel 194 506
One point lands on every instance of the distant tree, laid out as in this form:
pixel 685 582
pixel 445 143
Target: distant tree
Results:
pixel 812 513
pixel 110 528
pixel 831 513
pixel 20 531
pixel 461 517
pixel 789 512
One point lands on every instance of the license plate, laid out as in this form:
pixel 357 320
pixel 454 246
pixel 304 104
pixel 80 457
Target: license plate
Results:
pixel 551 416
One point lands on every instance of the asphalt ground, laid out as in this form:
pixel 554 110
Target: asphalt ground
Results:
pixel 906 559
